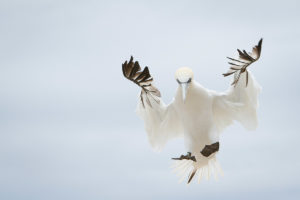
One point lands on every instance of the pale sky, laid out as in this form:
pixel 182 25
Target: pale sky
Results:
pixel 68 129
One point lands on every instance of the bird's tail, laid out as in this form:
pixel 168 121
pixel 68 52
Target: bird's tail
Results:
pixel 205 167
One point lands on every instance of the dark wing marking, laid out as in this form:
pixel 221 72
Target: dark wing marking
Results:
pixel 132 71
pixel 239 66
pixel 210 149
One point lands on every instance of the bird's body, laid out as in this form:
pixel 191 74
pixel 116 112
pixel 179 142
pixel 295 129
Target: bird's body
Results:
pixel 196 117
pixel 197 114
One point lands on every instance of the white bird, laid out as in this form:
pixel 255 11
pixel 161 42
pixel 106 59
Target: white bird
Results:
pixel 196 113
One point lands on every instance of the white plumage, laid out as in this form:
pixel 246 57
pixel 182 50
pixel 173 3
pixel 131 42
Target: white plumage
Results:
pixel 199 115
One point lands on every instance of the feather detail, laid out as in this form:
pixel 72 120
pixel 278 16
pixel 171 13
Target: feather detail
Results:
pixel 239 66
pixel 190 169
pixel 132 71
pixel 192 175
pixel 228 73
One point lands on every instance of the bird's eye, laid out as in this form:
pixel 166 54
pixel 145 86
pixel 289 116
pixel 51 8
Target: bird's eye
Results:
pixel 189 80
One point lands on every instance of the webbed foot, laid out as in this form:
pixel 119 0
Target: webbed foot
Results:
pixel 188 156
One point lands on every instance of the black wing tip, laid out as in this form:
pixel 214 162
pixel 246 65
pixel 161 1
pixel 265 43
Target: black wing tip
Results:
pixel 241 54
pixel 131 59
pixel 125 63
pixel 260 42
pixel 133 71
pixel 259 45
pixel 245 56
pixel 146 69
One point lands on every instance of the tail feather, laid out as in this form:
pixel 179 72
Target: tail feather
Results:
pixel 204 168
pixel 192 175
pixel 199 172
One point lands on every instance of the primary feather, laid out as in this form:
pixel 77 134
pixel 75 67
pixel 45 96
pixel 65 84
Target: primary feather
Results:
pixel 239 66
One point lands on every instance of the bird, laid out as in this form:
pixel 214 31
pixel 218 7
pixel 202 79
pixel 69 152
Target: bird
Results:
pixel 197 114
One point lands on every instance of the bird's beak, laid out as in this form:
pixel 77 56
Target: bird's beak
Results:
pixel 184 87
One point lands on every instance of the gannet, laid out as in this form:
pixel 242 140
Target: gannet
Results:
pixel 196 113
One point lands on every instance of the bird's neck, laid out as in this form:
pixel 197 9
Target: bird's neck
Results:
pixel 195 89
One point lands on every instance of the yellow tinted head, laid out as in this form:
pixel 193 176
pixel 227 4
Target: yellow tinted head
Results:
pixel 184 74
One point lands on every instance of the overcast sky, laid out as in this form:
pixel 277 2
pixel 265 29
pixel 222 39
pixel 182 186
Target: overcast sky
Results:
pixel 68 129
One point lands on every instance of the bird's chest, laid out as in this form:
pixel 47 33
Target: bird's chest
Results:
pixel 197 119
pixel 196 112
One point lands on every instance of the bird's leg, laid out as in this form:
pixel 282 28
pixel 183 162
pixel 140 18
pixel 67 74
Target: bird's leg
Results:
pixel 188 156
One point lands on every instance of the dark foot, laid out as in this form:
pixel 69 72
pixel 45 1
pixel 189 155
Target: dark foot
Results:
pixel 188 156
pixel 210 149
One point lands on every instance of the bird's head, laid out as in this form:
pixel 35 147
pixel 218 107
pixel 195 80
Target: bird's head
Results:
pixel 184 76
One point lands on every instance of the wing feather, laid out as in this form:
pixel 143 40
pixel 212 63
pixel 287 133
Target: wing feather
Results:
pixel 239 66
pixel 162 121
pixel 132 71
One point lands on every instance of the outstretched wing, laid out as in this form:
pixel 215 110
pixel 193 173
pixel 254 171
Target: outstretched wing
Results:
pixel 240 101
pixel 133 72
pixel 162 121
pixel 239 66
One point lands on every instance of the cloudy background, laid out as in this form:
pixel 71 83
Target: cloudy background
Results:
pixel 67 124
